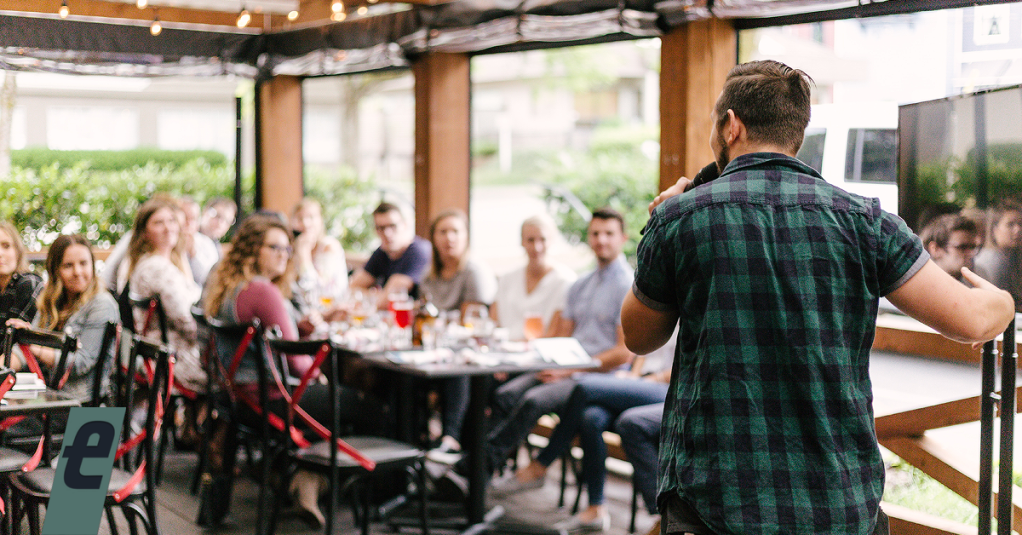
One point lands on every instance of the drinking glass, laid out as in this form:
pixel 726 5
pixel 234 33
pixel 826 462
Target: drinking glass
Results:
pixel 475 314
pixel 533 326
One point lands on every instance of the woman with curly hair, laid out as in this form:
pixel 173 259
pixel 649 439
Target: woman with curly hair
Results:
pixel 254 281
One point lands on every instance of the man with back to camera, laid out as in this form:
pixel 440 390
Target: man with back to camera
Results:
pixel 400 261
pixel 952 240
pixel 775 276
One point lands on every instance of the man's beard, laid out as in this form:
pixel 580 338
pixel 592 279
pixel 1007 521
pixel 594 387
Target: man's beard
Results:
pixel 722 156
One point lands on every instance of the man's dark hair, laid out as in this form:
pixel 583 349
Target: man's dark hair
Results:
pixel 939 230
pixel 385 207
pixel 771 99
pixel 219 201
pixel 609 213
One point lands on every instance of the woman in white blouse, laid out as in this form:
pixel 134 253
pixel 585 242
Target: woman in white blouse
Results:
pixel 537 288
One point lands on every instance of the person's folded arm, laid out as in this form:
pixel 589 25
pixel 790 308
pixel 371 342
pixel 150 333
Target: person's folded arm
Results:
pixel 954 310
pixel 645 328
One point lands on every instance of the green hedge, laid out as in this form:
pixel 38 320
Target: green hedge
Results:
pixel 112 160
pixel 76 198
pixel 101 204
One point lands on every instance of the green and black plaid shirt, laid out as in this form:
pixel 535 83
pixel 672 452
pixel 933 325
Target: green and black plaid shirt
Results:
pixel 768 425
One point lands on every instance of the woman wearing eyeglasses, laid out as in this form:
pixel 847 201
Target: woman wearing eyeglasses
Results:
pixel 254 281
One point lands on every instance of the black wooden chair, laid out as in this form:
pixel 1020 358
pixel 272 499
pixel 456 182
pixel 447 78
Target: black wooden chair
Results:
pixel 359 459
pixel 133 490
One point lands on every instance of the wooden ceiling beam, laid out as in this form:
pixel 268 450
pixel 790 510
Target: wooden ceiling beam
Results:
pixel 121 10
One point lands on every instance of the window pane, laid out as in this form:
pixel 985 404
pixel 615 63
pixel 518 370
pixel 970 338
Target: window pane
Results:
pixel 871 155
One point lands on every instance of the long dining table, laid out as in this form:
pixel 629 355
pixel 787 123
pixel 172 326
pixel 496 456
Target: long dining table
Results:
pixel 480 367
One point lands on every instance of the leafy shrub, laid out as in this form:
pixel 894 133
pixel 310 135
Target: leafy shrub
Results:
pixel 38 158
pixel 347 202
pixel 613 173
pixel 101 204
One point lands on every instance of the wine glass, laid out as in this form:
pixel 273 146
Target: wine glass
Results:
pixel 475 314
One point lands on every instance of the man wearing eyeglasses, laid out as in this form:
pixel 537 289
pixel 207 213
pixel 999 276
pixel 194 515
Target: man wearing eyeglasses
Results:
pixel 401 259
pixel 952 241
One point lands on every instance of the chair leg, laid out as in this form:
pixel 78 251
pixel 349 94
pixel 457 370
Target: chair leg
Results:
pixel 579 480
pixel 565 459
pixel 33 519
pixel 368 503
pixel 111 520
pixel 423 505
pixel 635 506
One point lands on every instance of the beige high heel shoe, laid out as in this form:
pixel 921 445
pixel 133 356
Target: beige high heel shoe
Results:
pixel 307 487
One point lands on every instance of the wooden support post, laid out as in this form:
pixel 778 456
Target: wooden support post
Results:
pixel 279 139
pixel 694 61
pixel 442 137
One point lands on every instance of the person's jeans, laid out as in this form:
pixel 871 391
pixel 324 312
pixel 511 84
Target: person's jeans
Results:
pixel 520 403
pixel 639 428
pixel 593 406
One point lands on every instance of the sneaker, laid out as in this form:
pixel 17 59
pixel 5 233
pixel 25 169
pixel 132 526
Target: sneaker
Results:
pixel 512 485
pixel 577 525
pixel 444 454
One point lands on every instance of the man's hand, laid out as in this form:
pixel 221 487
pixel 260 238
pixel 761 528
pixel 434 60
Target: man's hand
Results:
pixel 552 376
pixel 681 186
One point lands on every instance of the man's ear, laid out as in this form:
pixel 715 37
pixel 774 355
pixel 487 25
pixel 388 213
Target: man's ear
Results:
pixel 932 248
pixel 734 127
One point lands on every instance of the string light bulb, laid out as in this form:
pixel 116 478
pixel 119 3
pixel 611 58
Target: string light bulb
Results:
pixel 338 16
pixel 373 1
pixel 337 7
pixel 243 18
pixel 362 10
pixel 142 3
pixel 155 28
pixel 292 15
pixel 64 11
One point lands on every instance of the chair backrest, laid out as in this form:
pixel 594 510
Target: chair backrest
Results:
pixel 101 373
pixel 63 342
pixel 325 357
pixel 139 449
pixel 153 313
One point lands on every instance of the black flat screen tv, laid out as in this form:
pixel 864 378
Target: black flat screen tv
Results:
pixel 962 152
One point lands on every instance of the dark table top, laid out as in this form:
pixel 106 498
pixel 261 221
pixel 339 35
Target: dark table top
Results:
pixel 47 401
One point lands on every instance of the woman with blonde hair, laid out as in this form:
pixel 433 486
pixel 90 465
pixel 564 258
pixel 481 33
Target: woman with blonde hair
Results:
pixel 319 258
pixel 72 301
pixel 157 265
pixel 537 289
pixel 1000 260
pixel 19 287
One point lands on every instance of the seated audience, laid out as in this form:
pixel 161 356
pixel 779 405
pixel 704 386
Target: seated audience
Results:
pixel 203 253
pixel 19 287
pixel 253 281
pixel 319 259
pixel 74 302
pixel 455 281
pixel 537 288
pixel 400 261
pixel 1000 261
pixel 592 315
pixel 952 241
pixel 156 265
